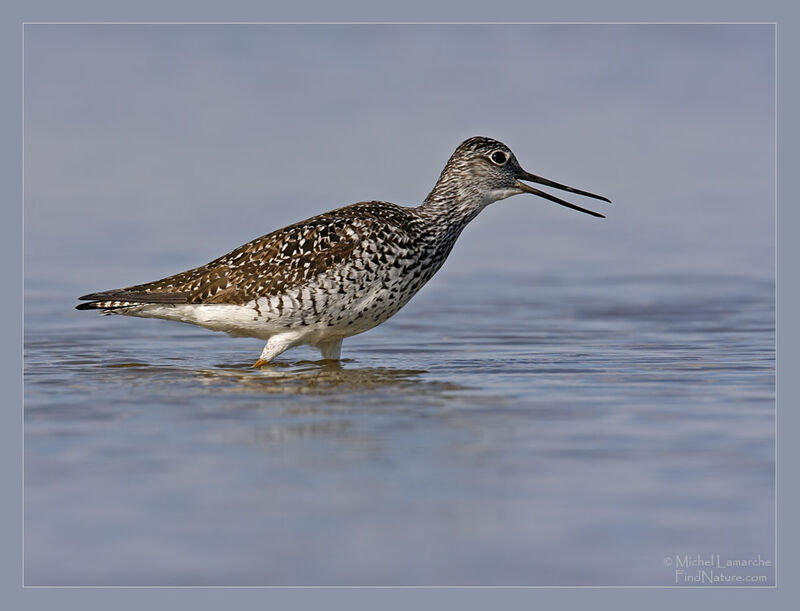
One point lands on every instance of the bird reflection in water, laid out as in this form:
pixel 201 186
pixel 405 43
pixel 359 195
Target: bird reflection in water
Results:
pixel 325 377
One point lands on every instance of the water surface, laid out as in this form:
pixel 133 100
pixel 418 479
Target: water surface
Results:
pixel 506 430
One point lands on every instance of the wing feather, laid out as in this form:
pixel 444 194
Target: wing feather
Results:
pixel 269 265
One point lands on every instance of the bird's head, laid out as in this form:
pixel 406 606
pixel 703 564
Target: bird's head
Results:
pixel 486 169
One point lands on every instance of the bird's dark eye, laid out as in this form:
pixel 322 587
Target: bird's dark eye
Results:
pixel 499 157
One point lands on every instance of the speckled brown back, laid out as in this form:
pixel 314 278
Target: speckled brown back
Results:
pixel 278 261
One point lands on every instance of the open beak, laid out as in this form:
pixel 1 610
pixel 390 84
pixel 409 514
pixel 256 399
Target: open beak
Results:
pixel 523 175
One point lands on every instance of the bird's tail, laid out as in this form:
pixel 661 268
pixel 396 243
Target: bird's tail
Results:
pixel 118 299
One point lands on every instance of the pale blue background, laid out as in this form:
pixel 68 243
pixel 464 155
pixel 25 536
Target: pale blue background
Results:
pixel 154 148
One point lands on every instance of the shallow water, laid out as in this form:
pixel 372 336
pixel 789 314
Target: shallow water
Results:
pixel 515 430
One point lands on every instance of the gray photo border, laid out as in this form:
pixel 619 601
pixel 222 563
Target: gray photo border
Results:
pixel 783 14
